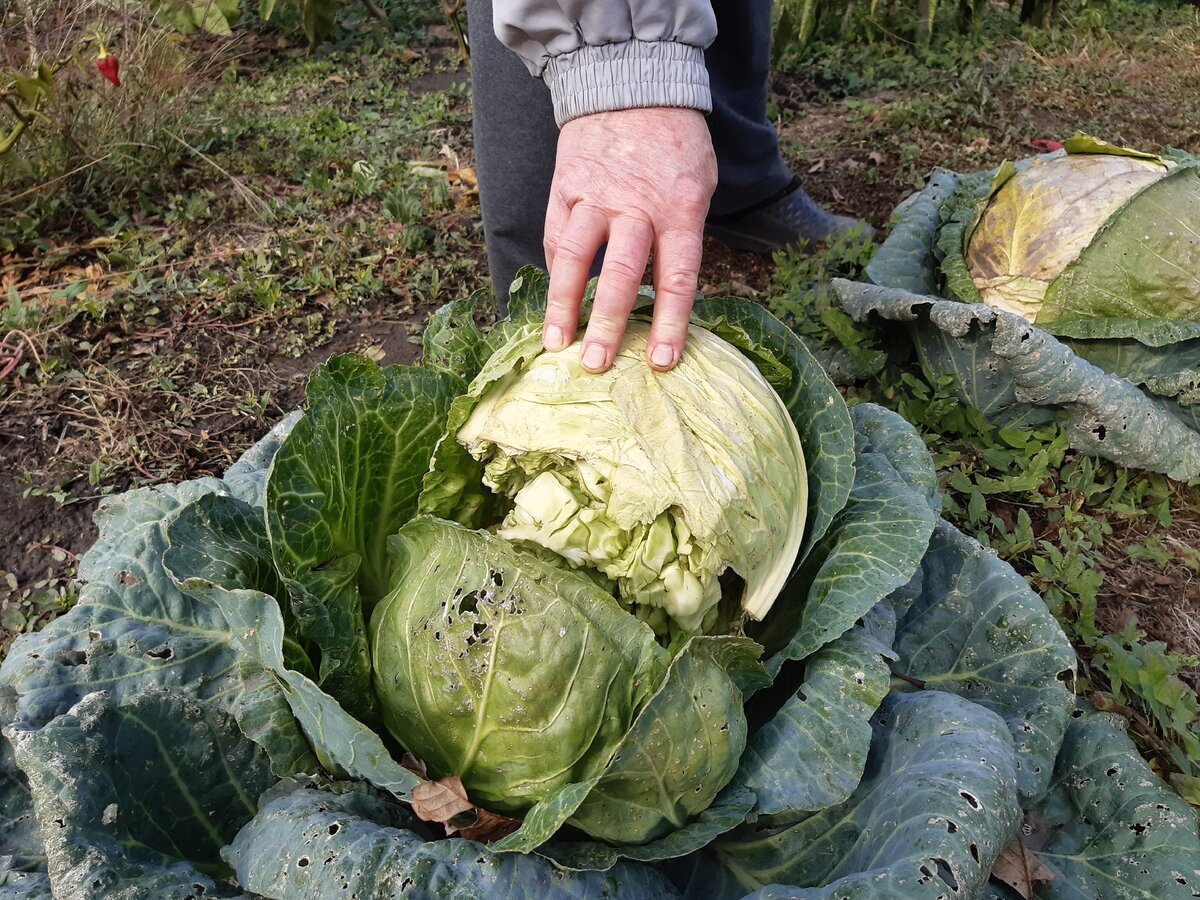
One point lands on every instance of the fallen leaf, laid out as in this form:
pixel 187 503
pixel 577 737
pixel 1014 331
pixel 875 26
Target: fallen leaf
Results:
pixel 413 764
pixel 441 801
pixel 1019 868
pixel 465 177
pixel 337 80
pixel 837 195
pixel 818 166
pixel 876 157
pixel 445 801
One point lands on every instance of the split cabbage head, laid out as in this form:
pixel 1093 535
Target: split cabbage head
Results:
pixel 660 481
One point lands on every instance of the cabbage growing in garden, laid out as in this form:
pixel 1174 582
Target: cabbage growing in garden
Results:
pixel 1062 287
pixel 434 636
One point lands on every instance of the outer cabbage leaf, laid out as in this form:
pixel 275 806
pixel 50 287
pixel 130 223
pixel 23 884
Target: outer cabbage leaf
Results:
pixel 1122 274
pixel 22 853
pixel 726 812
pixel 233 540
pixel 321 844
pixel 907 259
pixel 935 806
pixel 1017 374
pixel 811 753
pixel 1108 826
pixel 682 750
pixel 519 676
pixel 874 546
pixel 24 885
pixel 132 630
pixel 346 477
pixel 812 400
pixel 137 800
pixel 978 630
pixel 452 341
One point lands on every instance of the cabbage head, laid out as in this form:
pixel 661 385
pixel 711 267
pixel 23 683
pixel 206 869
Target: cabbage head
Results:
pixel 480 645
pixel 1097 232
pixel 660 481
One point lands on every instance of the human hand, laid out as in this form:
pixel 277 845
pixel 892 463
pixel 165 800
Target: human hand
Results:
pixel 640 179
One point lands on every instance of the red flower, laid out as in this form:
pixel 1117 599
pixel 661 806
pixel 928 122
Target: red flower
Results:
pixel 109 67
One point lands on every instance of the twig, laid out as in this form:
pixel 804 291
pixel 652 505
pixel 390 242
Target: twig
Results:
pixel 32 347
pixel 255 201
pixel 453 10
pixel 374 10
pixel 915 682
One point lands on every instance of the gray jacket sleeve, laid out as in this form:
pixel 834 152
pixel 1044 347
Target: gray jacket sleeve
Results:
pixel 600 55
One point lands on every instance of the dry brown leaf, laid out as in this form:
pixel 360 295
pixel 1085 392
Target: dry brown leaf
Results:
pixel 876 157
pixel 337 80
pixel 465 177
pixel 818 166
pixel 441 801
pixel 445 801
pixel 410 762
pixel 1019 868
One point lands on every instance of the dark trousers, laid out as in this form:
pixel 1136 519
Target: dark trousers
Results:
pixel 516 138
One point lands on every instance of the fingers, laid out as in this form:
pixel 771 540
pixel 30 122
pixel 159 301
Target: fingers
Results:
pixel 625 259
pixel 574 248
pixel 677 257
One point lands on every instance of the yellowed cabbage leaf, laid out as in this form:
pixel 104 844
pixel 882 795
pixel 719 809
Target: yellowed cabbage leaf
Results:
pixel 1041 219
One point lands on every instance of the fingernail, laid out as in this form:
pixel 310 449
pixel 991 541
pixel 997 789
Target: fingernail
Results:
pixel 553 338
pixel 662 356
pixel 594 357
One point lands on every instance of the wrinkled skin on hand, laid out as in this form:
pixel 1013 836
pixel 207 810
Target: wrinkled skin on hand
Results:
pixel 640 179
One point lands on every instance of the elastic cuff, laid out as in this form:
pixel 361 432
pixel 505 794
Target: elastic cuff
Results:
pixel 630 75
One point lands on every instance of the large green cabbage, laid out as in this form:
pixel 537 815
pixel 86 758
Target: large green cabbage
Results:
pixel 205 723
pixel 1088 265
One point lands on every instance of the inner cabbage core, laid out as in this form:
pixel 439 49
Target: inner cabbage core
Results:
pixel 565 510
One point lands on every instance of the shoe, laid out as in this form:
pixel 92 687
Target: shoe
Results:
pixel 780 221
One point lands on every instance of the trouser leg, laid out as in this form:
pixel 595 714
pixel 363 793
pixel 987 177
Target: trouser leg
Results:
pixel 749 166
pixel 515 144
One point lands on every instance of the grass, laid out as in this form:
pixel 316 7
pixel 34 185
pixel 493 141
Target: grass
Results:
pixel 159 310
